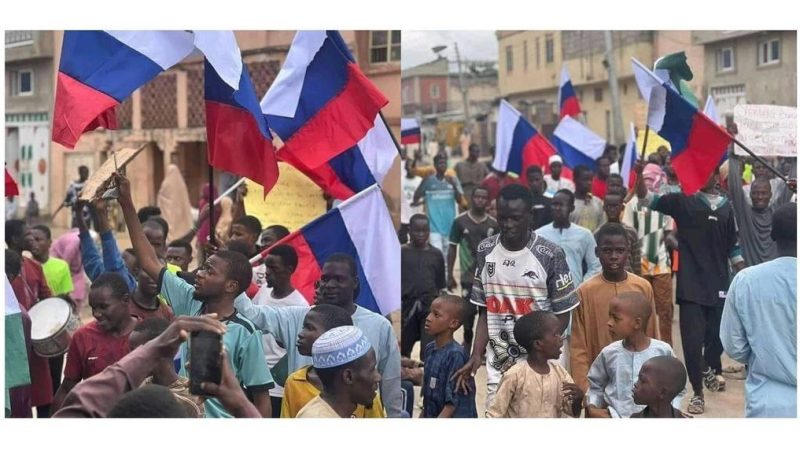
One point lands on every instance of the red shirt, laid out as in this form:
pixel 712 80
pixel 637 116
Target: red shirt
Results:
pixel 30 286
pixel 93 349
pixel 493 184
pixel 599 188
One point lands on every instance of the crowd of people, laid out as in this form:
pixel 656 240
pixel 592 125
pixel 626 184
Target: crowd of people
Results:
pixel 566 287
pixel 283 356
pixel 562 283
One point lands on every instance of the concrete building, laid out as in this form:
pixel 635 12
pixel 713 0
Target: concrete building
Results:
pixel 530 65
pixel 169 111
pixel 29 86
pixel 432 93
pixel 749 67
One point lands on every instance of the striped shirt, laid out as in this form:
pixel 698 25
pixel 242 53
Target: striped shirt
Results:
pixel 650 226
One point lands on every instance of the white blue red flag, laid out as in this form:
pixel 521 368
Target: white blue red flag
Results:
pixel 629 159
pixel 320 104
pixel 238 136
pixel 567 99
pixel 577 144
pixel 410 132
pixel 100 69
pixel 519 144
pixel 362 228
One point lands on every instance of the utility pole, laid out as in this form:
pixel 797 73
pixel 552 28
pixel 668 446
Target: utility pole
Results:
pixel 616 110
pixel 467 123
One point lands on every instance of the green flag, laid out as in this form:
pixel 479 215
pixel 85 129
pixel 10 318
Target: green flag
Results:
pixel 16 369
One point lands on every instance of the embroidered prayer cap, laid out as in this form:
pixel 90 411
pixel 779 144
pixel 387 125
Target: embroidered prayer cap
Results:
pixel 554 158
pixel 339 346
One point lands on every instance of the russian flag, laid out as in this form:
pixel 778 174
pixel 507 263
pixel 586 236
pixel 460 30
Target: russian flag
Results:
pixel 577 144
pixel 519 144
pixel 698 143
pixel 629 159
pixel 100 69
pixel 320 104
pixel 567 100
pixel 410 132
pixel 362 228
pixel 238 136
pixel 357 168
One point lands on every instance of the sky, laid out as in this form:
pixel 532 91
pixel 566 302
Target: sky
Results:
pixel 416 45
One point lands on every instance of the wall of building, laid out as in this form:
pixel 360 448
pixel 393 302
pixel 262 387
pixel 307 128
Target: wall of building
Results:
pixel 774 84
pixel 535 91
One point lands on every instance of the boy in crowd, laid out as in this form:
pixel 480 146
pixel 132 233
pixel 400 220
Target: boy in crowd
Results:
pixel 541 211
pixel 247 229
pixel 588 211
pixel 618 364
pixel 661 379
pixel 179 253
pixel 103 342
pixel 538 387
pixel 613 206
pixel 469 229
pixel 277 291
pixel 443 356
pixel 555 182
pixel 304 384
pixel 346 365
pixel 590 333
pixel 422 275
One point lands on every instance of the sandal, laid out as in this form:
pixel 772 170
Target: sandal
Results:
pixel 697 405
pixel 720 383
pixel 710 381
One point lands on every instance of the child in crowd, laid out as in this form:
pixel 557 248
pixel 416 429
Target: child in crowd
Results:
pixel 443 356
pixel 304 385
pixel 590 333
pixel 538 387
pixel 612 374
pixel 661 379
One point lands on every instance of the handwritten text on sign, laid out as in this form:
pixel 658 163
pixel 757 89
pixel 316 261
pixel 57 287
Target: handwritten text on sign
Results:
pixel 767 130
pixel 293 202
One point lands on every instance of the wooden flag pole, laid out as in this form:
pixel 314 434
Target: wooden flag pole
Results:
pixel 760 159
pixel 211 234
pixel 644 145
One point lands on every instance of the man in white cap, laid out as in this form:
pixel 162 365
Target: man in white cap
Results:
pixel 345 364
pixel 555 182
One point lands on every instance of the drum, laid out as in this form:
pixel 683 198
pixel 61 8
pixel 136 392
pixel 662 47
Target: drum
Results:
pixel 52 325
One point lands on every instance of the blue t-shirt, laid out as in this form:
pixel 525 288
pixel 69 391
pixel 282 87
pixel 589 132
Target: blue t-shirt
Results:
pixel 438 389
pixel 242 341
pixel 440 203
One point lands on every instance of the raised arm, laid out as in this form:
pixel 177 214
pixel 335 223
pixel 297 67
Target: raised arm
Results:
pixel 148 261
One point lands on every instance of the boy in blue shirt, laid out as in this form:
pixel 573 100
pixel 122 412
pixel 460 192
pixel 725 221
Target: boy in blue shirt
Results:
pixel 443 357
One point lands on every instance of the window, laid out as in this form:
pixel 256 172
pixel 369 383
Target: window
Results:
pixel 384 46
pixel 509 59
pixel 598 94
pixel 525 55
pixel 725 59
pixel 21 82
pixel 549 50
pixel 537 53
pixel 434 91
pixel 769 52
